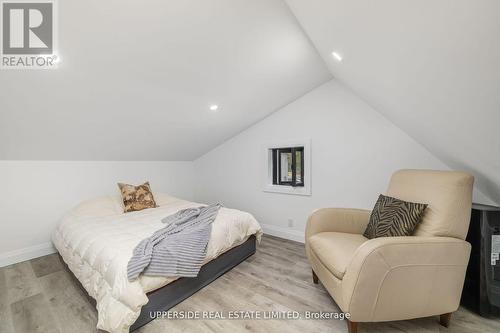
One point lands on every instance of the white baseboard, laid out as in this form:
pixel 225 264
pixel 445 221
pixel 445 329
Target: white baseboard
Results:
pixel 13 257
pixel 282 232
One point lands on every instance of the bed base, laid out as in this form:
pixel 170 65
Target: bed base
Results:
pixel 175 292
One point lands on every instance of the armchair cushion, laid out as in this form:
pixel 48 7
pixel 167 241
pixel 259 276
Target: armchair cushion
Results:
pixel 448 194
pixel 335 250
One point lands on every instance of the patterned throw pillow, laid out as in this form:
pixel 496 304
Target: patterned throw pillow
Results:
pixel 137 197
pixel 393 217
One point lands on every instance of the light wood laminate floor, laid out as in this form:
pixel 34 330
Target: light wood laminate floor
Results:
pixel 40 296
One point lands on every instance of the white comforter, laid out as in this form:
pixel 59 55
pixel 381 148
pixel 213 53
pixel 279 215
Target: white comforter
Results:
pixel 96 241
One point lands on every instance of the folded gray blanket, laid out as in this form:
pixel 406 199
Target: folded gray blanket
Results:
pixel 179 248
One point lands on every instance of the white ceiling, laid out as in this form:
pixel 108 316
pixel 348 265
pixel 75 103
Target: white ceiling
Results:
pixel 137 79
pixel 430 66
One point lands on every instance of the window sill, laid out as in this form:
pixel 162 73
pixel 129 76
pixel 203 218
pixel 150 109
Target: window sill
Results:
pixel 299 190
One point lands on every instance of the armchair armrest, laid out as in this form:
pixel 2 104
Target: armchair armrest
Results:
pixel 394 278
pixel 348 220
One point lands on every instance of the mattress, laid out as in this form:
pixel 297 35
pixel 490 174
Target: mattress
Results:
pixel 96 240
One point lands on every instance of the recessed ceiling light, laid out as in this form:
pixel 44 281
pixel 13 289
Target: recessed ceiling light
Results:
pixel 214 107
pixel 337 56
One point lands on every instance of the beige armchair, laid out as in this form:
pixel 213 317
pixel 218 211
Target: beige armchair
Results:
pixel 396 278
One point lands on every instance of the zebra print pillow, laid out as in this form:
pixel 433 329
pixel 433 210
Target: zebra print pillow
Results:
pixel 393 217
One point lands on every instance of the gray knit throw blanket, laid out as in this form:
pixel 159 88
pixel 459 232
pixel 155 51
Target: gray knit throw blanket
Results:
pixel 178 249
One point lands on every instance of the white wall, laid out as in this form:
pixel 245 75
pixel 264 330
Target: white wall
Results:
pixel 354 152
pixel 37 193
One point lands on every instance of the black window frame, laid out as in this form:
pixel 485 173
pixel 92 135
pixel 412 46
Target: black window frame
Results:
pixel 276 160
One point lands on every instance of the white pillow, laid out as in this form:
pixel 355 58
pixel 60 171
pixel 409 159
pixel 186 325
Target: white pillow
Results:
pixel 99 207
pixel 112 205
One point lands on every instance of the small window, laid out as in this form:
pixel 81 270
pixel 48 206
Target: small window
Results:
pixel 288 166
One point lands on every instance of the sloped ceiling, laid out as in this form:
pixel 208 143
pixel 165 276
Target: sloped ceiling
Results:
pixel 137 79
pixel 432 67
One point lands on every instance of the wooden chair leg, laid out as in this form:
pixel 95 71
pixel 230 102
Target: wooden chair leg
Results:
pixel 352 327
pixel 315 277
pixel 444 319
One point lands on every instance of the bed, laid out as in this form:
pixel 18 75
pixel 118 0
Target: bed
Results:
pixel 96 240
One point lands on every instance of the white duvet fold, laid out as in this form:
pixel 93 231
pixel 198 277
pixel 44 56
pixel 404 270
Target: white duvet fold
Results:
pixel 96 241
